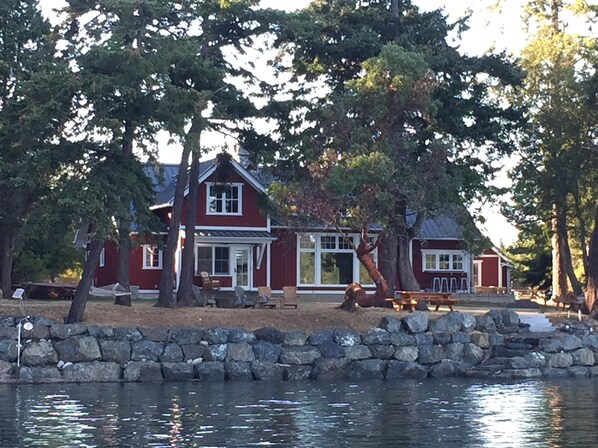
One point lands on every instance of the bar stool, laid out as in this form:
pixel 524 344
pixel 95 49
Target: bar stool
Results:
pixel 453 284
pixel 436 284
pixel 444 284
pixel 464 286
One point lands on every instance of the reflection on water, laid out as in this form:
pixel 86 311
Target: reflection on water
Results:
pixel 452 413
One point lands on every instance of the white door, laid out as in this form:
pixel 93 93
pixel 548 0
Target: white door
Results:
pixel 477 273
pixel 243 267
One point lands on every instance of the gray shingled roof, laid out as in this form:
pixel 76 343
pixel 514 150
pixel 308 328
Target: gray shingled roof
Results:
pixel 165 190
pixel 441 227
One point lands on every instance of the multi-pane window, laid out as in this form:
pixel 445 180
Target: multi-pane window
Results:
pixel 102 258
pixel 152 257
pixel 443 261
pixel 329 260
pixel 224 199
pixel 457 262
pixel 430 262
pixel 214 260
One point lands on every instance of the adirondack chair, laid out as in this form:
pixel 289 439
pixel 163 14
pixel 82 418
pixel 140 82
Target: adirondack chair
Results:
pixel 209 283
pixel 289 296
pixel 242 300
pixel 201 299
pixel 265 299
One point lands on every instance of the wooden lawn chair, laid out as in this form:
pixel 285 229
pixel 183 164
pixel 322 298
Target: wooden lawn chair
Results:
pixel 265 299
pixel 242 301
pixel 208 283
pixel 289 296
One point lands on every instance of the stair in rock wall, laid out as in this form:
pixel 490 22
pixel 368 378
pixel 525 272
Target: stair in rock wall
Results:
pixel 538 322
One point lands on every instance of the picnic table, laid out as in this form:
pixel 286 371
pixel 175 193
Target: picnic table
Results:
pixel 410 299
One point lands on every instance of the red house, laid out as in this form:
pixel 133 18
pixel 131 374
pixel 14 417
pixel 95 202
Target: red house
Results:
pixel 236 243
pixel 492 269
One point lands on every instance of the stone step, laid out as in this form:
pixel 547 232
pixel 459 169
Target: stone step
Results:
pixel 538 322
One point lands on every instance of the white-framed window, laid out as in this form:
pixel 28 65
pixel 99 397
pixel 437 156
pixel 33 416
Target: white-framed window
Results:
pixel 329 260
pixel 224 199
pixel 152 257
pixel 102 257
pixel 443 260
pixel 215 260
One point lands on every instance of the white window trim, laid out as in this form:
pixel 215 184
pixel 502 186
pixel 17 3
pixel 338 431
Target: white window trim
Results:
pixel 240 194
pixel 160 257
pixel 451 253
pixel 102 262
pixel 213 267
pixel 318 251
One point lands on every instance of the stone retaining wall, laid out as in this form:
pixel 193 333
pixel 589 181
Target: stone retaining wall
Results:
pixel 456 344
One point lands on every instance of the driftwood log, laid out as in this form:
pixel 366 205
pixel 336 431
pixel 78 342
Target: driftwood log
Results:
pixel 356 295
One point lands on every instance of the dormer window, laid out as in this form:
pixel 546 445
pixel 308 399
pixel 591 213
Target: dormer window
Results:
pixel 224 199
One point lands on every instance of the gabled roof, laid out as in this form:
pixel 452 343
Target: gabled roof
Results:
pixel 165 190
pixel 440 227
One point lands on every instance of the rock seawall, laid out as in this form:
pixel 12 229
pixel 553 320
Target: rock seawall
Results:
pixel 456 344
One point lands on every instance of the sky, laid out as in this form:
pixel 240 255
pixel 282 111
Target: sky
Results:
pixel 489 30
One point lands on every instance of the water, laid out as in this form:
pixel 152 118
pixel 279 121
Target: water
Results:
pixel 430 413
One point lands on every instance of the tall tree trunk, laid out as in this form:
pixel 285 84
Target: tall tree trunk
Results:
pixel 166 297
pixel 583 233
pixel 387 257
pixel 80 300
pixel 354 292
pixel 591 295
pixel 406 274
pixel 559 271
pixel 122 268
pixel 565 252
pixel 124 228
pixel 394 8
pixel 185 295
pixel 6 259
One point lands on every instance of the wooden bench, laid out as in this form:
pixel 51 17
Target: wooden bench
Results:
pixel 410 299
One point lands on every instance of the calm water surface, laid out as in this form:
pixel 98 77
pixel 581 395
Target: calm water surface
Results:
pixel 455 413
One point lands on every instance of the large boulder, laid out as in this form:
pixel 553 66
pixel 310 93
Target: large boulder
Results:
pixel 148 371
pixel 376 336
pixel 295 338
pixel 172 353
pixel 216 352
pixel 583 357
pixel 154 334
pixel 127 334
pixel 431 354
pixel 79 349
pixel 266 351
pixel 38 354
pixel 8 350
pixel 367 369
pixel 267 371
pixel 570 342
pixel 239 335
pixel 238 371
pixel 216 335
pixel 401 369
pixel 115 351
pixel 443 369
pixel 559 360
pixel 299 355
pixel 358 352
pixel 330 369
pixel 407 353
pixel 391 324
pixel 240 351
pixel 472 354
pixel 39 375
pixel 177 371
pixel 333 350
pixel 269 334
pixel 196 351
pixel 186 336
pixel 147 351
pixel 416 322
pixel 322 336
pixel 86 372
pixel 6 371
pixel 209 371
pixel 346 338
pixel 402 339
pixel 64 331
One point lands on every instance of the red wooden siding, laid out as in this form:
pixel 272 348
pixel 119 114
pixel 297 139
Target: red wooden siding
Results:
pixel 251 217
pixel 426 279
pixel 490 271
pixel 284 259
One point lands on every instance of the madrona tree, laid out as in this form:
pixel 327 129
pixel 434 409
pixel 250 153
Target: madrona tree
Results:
pixel 388 82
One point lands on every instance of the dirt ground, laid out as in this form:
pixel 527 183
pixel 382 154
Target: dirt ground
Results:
pixel 308 317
